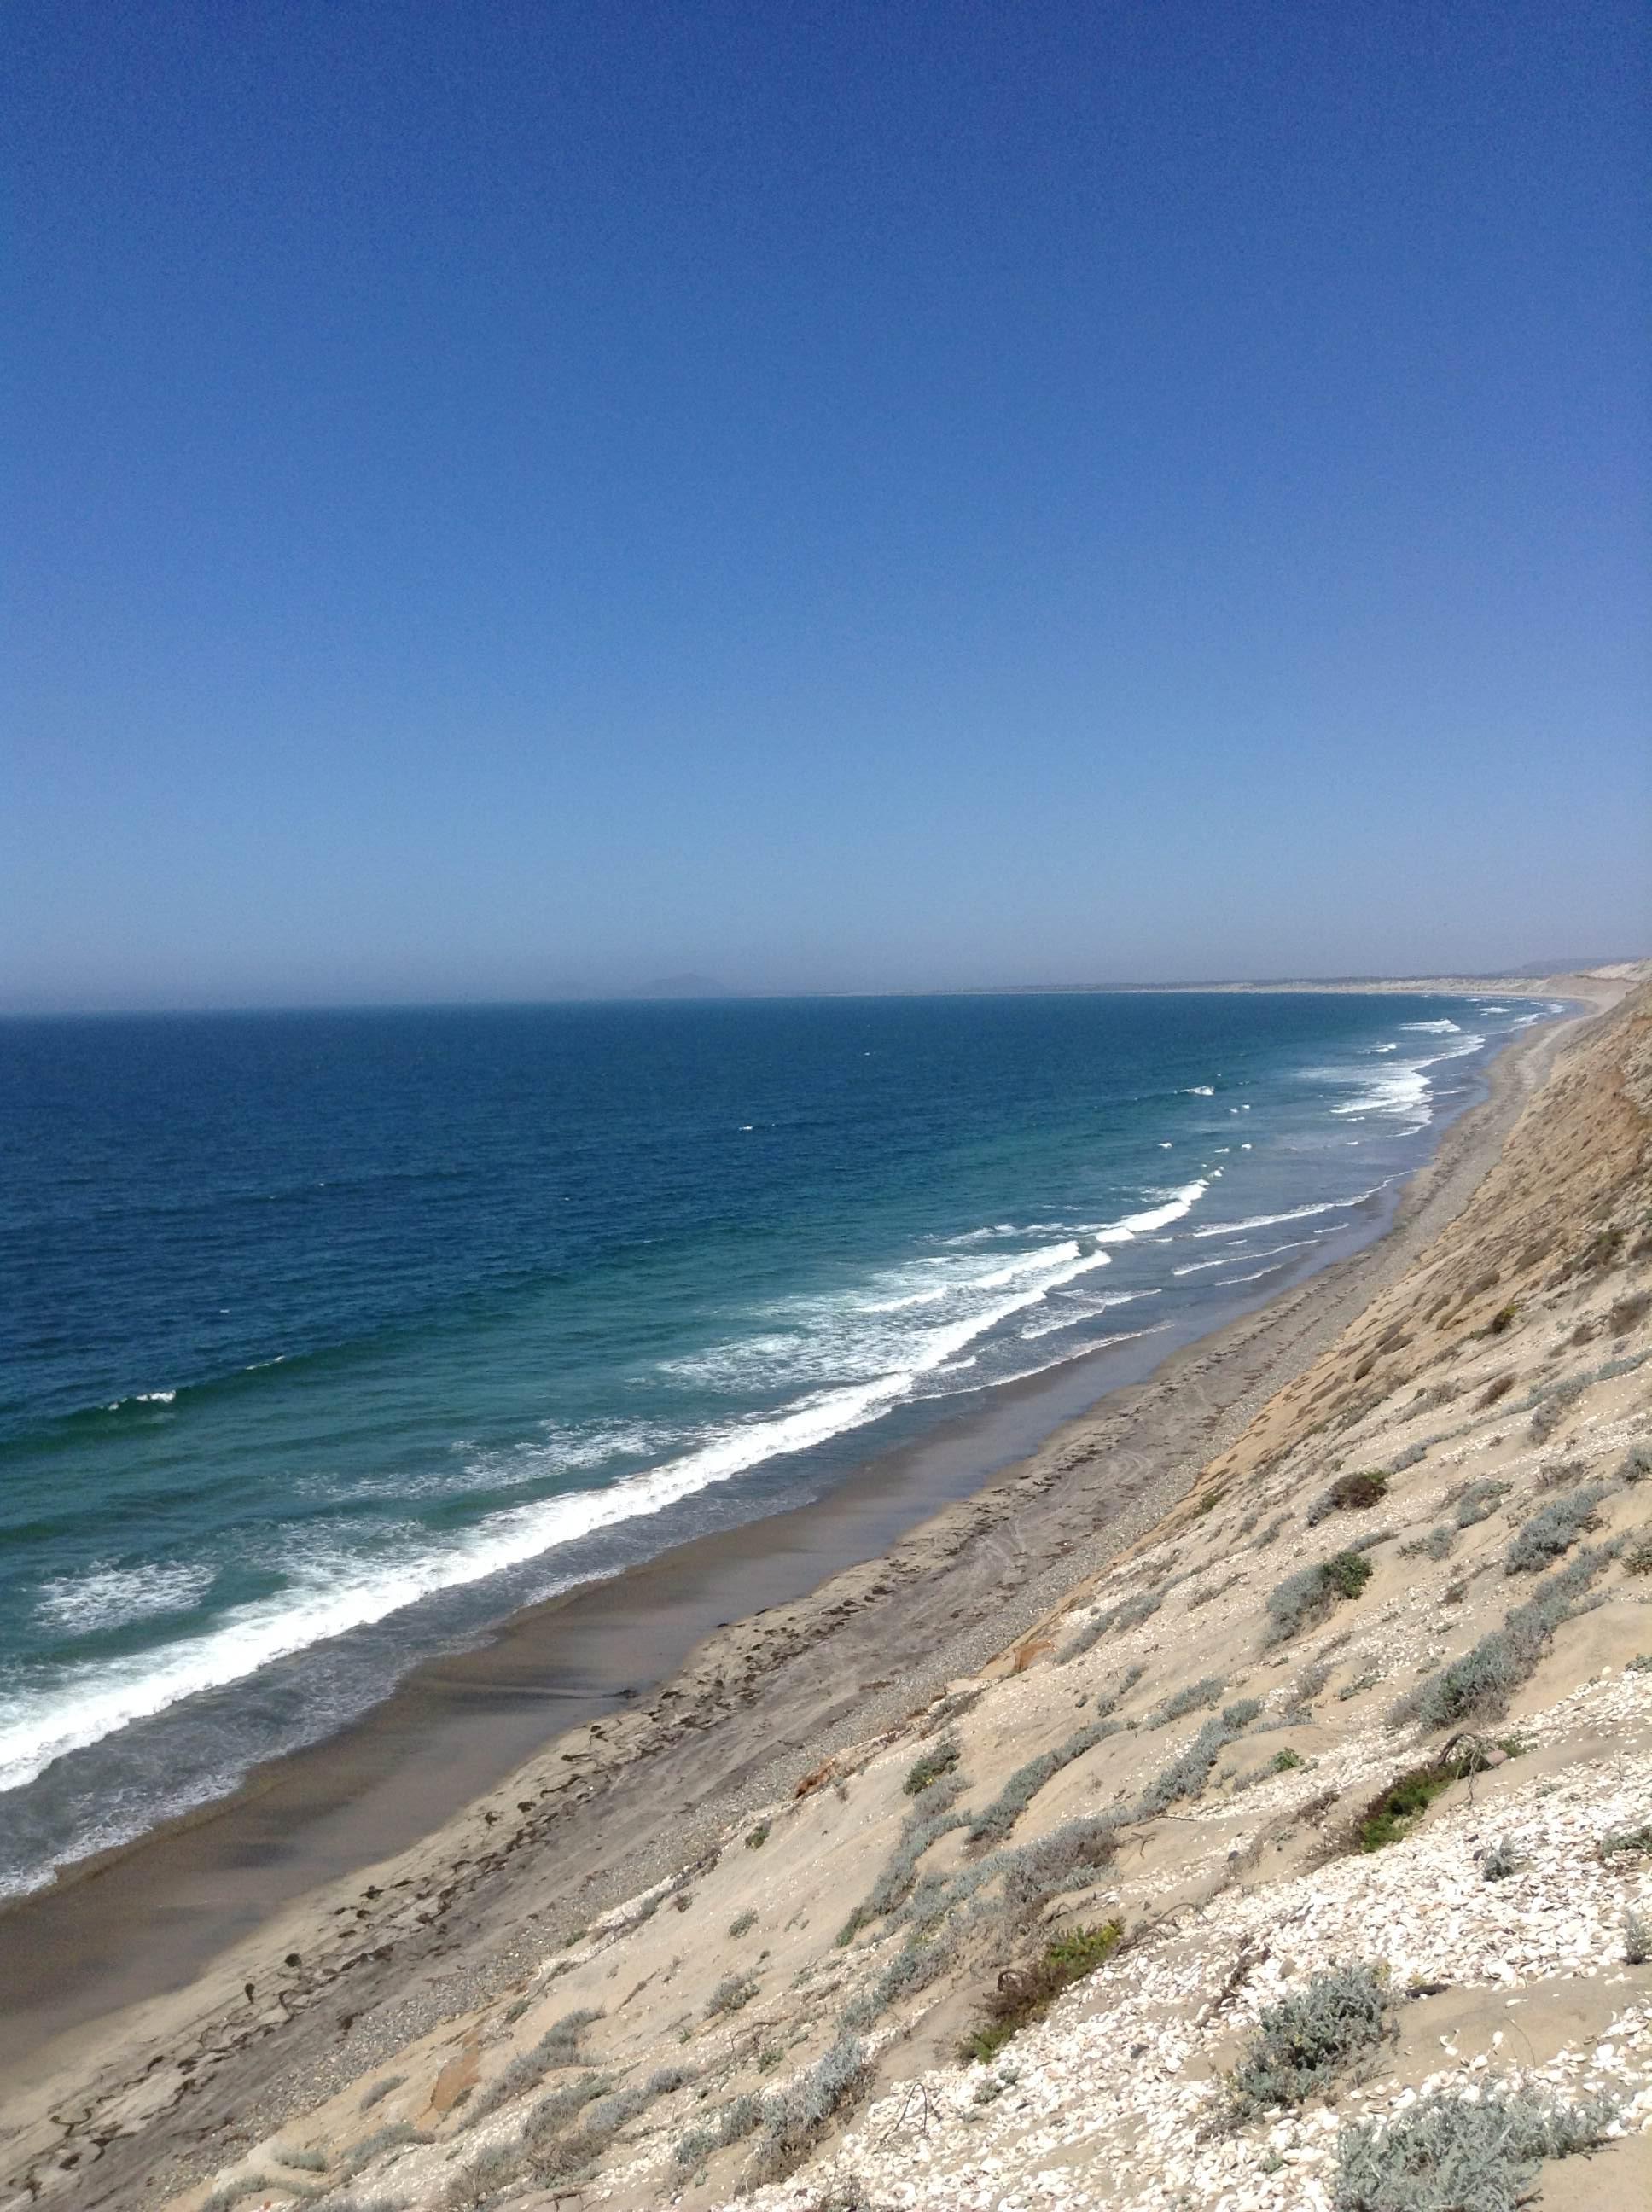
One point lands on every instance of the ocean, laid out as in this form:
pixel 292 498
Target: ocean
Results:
pixel 332 1339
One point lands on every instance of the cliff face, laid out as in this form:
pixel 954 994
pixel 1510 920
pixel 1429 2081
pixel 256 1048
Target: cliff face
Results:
pixel 1322 1814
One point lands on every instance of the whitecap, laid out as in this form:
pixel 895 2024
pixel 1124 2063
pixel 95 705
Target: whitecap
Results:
pixel 104 1597
pixel 1433 1028
pixel 1034 1329
pixel 1296 1213
pixel 1199 1090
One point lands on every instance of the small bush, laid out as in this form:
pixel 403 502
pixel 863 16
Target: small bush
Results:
pixel 302 2161
pixel 1025 1993
pixel 795 2117
pixel 1480 1501
pixel 743 1923
pixel 1186 1776
pixel 1500 1860
pixel 376 2090
pixel 1626 1843
pixel 1024 1784
pixel 1629 1313
pixel 1502 1321
pixel 1066 1858
pixel 1552 1530
pixel 739 2119
pixel 1301 1600
pixel 1439 1544
pixel 1130 1613
pixel 731 1994
pixel 558 2046
pixel 1395 1811
pixel 1284 1761
pixel 940 1759
pixel 1198 1697
pixel 1479 1685
pixel 1307 2040
pixel 1637 1559
pixel 1552 1407
pixel 757 1836
pixel 914 1967
pixel 1452 2152
pixel 1350 1493
pixel 1637 1939
pixel 1636 1464
pixel 694 2148
pixel 1498 1388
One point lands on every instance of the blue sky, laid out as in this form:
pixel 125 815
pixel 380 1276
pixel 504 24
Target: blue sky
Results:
pixel 517 498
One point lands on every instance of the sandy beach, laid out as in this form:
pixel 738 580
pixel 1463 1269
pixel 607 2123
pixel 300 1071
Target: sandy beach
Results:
pixel 253 1939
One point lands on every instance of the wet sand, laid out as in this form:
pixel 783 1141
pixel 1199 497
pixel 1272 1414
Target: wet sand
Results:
pixel 819 1651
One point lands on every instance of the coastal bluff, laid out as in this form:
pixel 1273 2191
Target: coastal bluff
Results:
pixel 1299 1854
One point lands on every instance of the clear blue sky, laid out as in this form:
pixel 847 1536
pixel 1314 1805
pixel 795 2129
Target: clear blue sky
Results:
pixel 505 497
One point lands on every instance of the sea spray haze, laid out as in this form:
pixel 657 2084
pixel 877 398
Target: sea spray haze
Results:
pixel 332 1338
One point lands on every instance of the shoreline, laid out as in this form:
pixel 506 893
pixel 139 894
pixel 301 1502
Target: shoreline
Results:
pixel 752 1702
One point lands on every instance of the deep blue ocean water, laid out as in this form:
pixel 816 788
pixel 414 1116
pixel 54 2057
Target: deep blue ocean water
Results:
pixel 330 1339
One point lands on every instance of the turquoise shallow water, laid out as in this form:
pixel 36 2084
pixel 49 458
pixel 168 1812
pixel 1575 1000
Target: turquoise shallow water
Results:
pixel 331 1339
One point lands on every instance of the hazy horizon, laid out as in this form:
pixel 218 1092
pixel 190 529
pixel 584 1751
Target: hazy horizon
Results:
pixel 879 498
pixel 711 990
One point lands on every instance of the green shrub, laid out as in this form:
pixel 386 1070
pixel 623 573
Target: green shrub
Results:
pixel 940 1759
pixel 743 1923
pixel 757 1836
pixel 1395 1811
pixel 1453 2153
pixel 375 2090
pixel 1026 1994
pixel 1307 2040
pixel 1350 1493
pixel 731 1994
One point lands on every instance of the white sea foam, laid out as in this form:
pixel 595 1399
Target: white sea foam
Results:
pixel 1433 1028
pixel 109 1597
pixel 1295 1213
pixel 1199 1090
pixel 1227 1282
pixel 329 1594
pixel 142 1398
pixel 1032 1330
pixel 1379 1047
pixel 1493 1010
pixel 1267 1252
